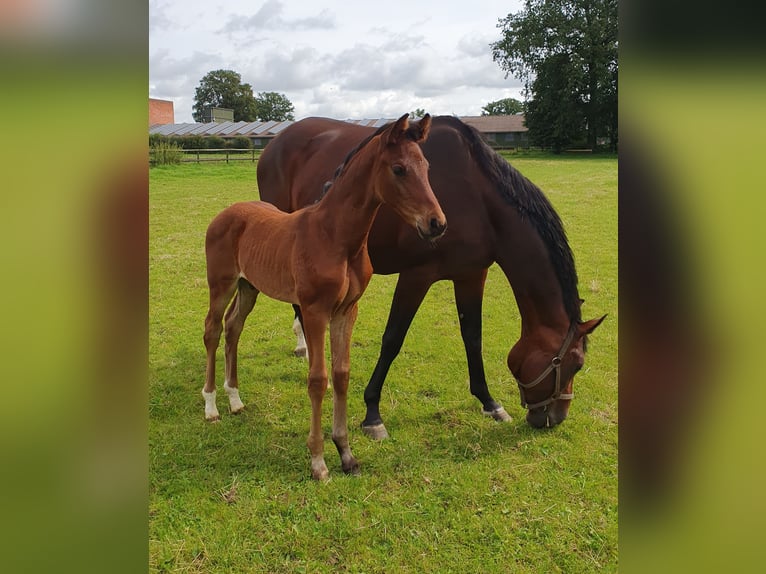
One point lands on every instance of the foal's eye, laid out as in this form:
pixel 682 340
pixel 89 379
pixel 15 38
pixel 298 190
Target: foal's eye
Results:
pixel 398 169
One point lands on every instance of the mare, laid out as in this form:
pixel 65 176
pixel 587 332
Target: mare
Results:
pixel 317 259
pixel 496 215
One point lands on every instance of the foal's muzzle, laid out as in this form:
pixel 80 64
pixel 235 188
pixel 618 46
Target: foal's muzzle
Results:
pixel 435 229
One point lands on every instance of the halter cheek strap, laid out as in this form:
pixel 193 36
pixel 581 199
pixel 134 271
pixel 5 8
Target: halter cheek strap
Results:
pixel 555 365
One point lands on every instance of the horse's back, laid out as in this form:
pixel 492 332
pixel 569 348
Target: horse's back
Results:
pixel 295 165
pixel 293 168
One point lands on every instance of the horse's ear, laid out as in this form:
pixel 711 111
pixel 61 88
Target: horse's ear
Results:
pixel 398 130
pixel 587 327
pixel 423 128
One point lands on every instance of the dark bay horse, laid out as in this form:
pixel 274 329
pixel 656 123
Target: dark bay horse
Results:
pixel 315 258
pixel 495 215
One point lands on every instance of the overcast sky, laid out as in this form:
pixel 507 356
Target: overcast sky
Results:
pixel 342 59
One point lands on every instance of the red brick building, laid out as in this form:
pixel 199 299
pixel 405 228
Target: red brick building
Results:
pixel 160 112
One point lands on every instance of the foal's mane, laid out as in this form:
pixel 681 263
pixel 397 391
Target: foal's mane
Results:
pixel 531 204
pixel 342 167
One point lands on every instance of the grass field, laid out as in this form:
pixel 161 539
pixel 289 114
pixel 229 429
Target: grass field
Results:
pixel 451 490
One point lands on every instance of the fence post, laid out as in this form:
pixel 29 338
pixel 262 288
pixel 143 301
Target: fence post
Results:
pixel 197 156
pixel 227 156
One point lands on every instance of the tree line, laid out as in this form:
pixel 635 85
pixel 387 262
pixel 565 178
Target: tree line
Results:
pixel 564 51
pixel 225 89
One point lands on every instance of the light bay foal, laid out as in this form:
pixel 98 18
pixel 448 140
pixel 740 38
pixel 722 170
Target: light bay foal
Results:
pixel 315 258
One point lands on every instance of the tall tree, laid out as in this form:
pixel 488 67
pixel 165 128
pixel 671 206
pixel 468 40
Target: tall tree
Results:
pixel 504 107
pixel 271 106
pixel 224 89
pixel 556 119
pixel 577 38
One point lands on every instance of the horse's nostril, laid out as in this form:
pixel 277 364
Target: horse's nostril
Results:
pixel 436 226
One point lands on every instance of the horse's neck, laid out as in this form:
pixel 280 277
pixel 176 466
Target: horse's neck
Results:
pixel 350 205
pixel 524 258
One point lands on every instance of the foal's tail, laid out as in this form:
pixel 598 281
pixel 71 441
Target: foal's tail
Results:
pixel 221 244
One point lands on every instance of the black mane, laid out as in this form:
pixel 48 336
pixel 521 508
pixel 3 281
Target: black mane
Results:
pixel 531 204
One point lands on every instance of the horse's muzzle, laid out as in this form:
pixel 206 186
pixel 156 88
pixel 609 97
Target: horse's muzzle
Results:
pixel 435 229
pixel 546 417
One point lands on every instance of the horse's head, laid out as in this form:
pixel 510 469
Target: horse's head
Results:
pixel 544 367
pixel 402 177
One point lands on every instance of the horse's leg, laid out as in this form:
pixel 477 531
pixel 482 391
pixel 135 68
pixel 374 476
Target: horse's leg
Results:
pixel 341 327
pixel 469 293
pixel 220 294
pixel 234 322
pixel 315 325
pixel 411 288
pixel 300 344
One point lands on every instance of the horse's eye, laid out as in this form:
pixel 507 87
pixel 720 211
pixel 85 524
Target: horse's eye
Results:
pixel 398 170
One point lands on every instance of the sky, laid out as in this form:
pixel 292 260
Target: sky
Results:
pixel 339 59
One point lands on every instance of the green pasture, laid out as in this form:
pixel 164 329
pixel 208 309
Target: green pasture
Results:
pixel 451 490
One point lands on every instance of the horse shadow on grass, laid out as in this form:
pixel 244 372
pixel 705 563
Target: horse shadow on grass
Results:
pixel 460 433
pixel 268 437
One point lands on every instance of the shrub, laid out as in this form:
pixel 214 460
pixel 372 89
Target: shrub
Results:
pixel 191 142
pixel 157 138
pixel 239 142
pixel 214 142
pixel 165 153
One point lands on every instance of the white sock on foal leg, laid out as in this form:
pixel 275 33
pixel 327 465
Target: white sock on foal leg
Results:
pixel 235 403
pixel 211 411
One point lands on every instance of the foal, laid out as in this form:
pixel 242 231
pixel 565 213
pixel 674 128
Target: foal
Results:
pixel 315 258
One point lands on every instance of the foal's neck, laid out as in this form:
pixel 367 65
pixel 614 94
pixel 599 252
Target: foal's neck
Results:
pixel 350 205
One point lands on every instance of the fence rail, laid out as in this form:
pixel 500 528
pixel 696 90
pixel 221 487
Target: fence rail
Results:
pixel 214 154
pixel 227 155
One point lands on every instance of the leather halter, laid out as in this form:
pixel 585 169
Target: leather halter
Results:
pixel 555 365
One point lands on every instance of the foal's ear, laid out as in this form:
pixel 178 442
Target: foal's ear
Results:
pixel 420 130
pixel 398 130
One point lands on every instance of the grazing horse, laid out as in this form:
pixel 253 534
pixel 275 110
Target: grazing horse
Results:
pixel 316 258
pixel 495 215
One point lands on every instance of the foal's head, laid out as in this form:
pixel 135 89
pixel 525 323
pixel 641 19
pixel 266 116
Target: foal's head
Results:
pixel 401 177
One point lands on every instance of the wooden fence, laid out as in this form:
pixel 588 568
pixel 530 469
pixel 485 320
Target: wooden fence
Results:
pixel 227 155
pixel 204 155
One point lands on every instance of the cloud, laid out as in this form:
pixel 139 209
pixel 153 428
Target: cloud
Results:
pixel 283 69
pixel 269 17
pixel 474 46
pixel 331 61
pixel 159 19
pixel 171 76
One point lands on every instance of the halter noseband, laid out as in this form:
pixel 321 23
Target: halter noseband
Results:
pixel 555 365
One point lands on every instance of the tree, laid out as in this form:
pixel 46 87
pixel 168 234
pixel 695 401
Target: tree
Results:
pixel 271 106
pixel 418 113
pixel 224 89
pixel 504 107
pixel 577 38
pixel 556 120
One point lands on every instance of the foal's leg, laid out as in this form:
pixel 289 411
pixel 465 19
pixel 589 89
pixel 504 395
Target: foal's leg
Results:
pixel 411 288
pixel 235 321
pixel 469 293
pixel 220 294
pixel 315 325
pixel 341 327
